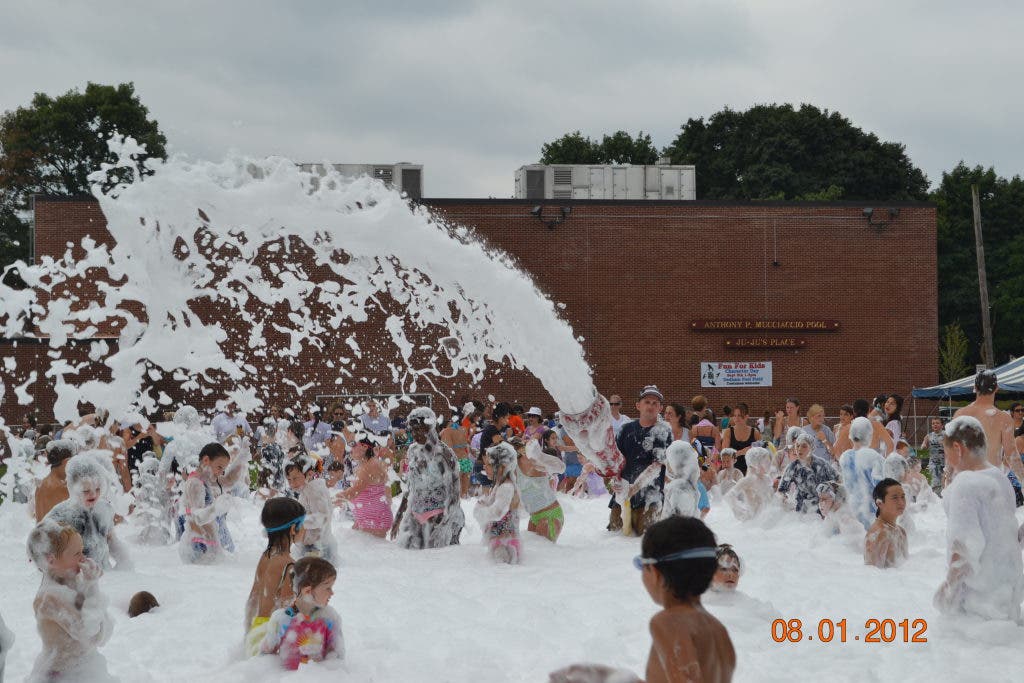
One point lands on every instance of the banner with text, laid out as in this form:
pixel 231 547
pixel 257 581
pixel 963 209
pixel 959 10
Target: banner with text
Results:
pixel 736 374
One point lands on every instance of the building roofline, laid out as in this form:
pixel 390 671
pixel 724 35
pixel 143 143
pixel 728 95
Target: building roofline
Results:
pixel 848 204
pixel 490 201
pixel 51 198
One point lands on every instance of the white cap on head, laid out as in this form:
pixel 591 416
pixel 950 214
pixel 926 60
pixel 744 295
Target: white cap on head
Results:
pixel 861 431
pixel 651 390
pixel 534 410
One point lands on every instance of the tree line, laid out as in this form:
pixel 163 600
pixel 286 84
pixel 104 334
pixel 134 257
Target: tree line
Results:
pixel 768 152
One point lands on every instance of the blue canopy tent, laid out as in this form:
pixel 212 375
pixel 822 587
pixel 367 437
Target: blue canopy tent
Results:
pixel 1010 375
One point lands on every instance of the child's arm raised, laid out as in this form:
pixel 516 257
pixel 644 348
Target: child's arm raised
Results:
pixel 542 460
pixel 239 464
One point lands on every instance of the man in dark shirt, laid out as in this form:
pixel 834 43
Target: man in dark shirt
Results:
pixel 642 443
pixel 493 433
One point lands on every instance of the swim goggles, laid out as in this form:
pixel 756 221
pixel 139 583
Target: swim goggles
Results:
pixel 297 523
pixel 691 554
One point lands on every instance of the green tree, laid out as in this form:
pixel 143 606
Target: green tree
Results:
pixel 51 147
pixel 622 148
pixel 776 151
pixel 953 353
pixel 618 148
pixel 1002 220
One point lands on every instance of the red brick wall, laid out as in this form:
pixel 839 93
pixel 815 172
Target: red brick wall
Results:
pixel 633 275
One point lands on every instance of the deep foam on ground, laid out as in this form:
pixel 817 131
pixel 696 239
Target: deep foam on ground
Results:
pixel 451 615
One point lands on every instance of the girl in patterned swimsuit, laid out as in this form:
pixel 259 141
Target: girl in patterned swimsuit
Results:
pixel 497 511
pixel 369 494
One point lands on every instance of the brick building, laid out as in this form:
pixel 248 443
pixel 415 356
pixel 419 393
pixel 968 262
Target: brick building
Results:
pixel 840 303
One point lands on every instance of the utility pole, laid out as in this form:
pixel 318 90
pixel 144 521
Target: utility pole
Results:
pixel 986 322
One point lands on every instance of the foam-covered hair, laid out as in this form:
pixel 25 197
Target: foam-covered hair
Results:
pixel 968 431
pixel 150 464
pixel 49 537
pixel 85 436
pixel 503 456
pixel 759 458
pixel 792 433
pixel 833 489
pixel 86 468
pixel 861 431
pixel 895 466
pixel 422 415
pixel 187 416
pixel 60 450
pixel 802 437
pixel 681 459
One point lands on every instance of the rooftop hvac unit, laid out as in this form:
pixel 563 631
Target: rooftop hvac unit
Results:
pixel 407 178
pixel 626 182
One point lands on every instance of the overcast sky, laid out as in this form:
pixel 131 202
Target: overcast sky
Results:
pixel 472 89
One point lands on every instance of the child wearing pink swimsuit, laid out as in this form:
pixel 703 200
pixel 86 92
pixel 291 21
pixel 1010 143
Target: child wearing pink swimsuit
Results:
pixel 372 509
pixel 369 495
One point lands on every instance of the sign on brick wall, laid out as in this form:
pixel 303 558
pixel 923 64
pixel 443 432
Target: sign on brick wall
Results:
pixel 765 343
pixel 754 325
pixel 736 374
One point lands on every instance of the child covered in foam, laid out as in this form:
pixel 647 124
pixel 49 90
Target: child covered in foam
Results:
pixel 753 492
pixel 985 575
pixel 315 497
pixel 861 470
pixel 682 494
pixel 497 511
pixel 729 475
pixel 88 512
pixel 205 505
pixel 919 492
pixel 310 629
pixel 71 613
pixel 837 519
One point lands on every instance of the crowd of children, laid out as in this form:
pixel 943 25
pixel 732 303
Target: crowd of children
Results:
pixel 309 474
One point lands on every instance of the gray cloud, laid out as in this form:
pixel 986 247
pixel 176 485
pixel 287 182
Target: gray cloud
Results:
pixel 472 89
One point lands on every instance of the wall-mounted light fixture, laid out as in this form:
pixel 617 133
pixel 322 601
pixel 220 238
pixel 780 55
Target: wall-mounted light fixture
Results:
pixel 538 211
pixel 879 223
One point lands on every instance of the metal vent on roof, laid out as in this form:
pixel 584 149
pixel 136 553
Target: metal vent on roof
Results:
pixel 560 193
pixel 385 173
pixel 535 184
pixel 563 175
pixel 412 182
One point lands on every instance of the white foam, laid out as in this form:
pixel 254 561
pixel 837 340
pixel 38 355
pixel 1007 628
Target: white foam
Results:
pixel 197 230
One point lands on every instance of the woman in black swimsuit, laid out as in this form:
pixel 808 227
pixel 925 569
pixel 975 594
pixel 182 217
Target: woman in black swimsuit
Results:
pixel 731 437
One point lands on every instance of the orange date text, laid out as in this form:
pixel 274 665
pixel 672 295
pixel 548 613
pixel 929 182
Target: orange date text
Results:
pixel 837 631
